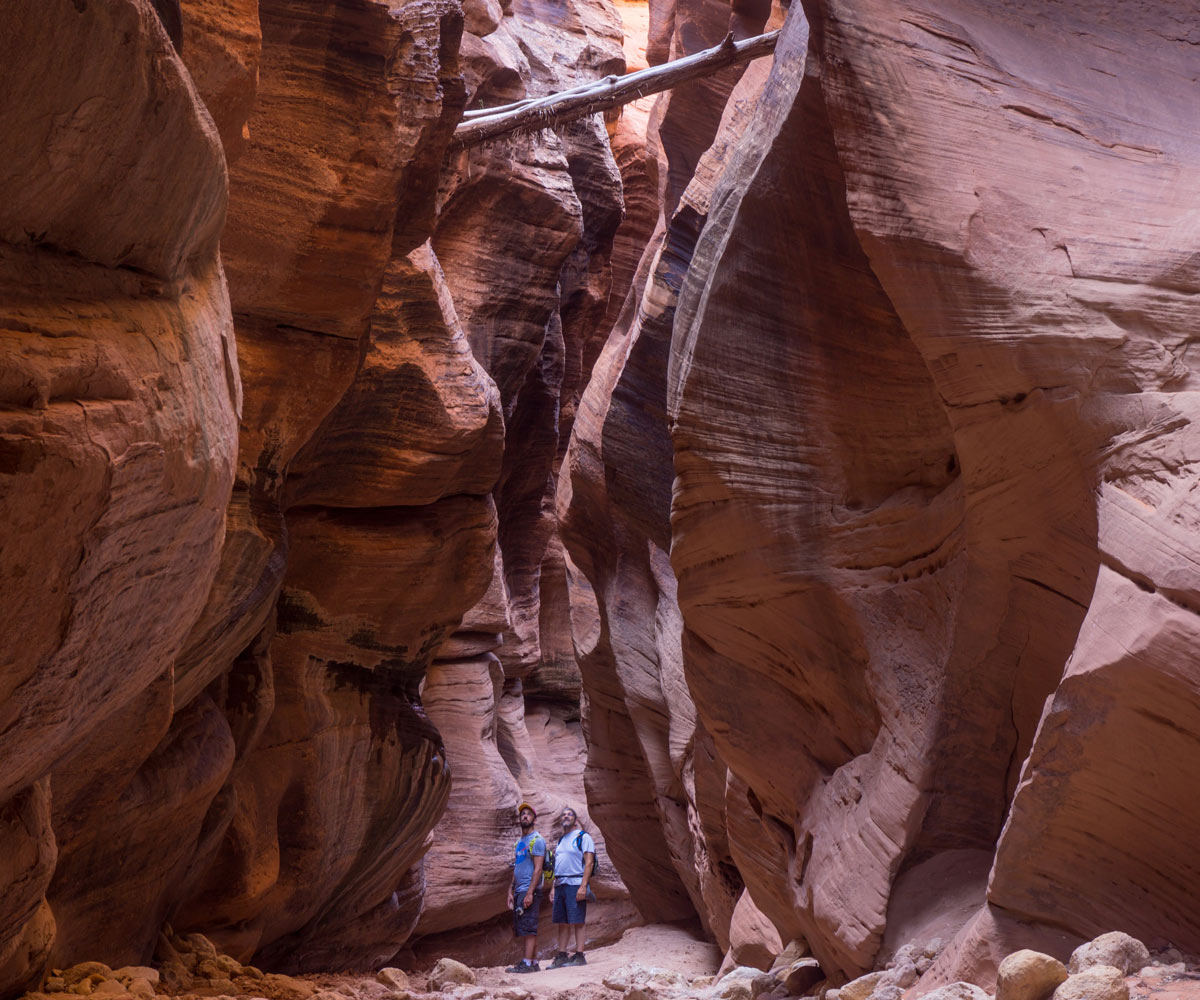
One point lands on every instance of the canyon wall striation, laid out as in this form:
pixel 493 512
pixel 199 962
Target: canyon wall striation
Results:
pixel 525 232
pixel 795 479
pixel 955 259
pixel 259 378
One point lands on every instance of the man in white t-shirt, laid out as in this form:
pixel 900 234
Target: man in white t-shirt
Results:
pixel 574 861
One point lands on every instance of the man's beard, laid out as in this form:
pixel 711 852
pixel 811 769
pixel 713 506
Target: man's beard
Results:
pixel 527 826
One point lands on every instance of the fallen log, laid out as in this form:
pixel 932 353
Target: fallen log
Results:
pixel 533 113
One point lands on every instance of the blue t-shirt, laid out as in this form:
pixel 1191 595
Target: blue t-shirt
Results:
pixel 568 859
pixel 531 846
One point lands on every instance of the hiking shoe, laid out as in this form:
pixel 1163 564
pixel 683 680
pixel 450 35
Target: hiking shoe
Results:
pixel 522 967
pixel 576 959
pixel 560 959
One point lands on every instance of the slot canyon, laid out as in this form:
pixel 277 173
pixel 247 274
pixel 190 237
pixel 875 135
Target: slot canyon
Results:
pixel 792 471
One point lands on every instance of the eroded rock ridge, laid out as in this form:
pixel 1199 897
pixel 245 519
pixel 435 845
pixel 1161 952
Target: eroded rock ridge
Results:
pixel 796 478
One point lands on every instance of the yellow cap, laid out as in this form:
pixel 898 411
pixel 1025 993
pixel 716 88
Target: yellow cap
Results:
pixel 526 805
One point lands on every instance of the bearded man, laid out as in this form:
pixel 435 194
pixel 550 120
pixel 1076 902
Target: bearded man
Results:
pixel 525 889
pixel 574 862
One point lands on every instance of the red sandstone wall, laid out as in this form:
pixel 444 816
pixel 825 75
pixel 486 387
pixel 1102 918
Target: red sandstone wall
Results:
pixel 271 554
pixel 525 232
pixel 229 622
pixel 859 550
pixel 914 619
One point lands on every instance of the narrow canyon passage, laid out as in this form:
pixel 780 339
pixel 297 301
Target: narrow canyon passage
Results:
pixel 790 475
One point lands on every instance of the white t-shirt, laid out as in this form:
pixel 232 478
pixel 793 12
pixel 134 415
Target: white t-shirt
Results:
pixel 568 859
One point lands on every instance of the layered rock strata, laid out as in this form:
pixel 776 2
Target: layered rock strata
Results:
pixel 873 567
pixel 119 419
pixel 908 516
pixel 367 464
pixel 525 232
pixel 225 661
pixel 649 760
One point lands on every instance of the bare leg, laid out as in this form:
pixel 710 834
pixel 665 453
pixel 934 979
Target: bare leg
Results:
pixel 564 933
pixel 579 935
pixel 530 947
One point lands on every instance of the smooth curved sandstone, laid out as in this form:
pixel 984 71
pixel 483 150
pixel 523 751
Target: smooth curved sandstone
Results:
pixel 71 140
pixel 420 421
pixel 1035 259
pixel 614 502
pixel 336 121
pixel 120 393
pixel 26 866
pixel 101 905
pixel 343 321
pixel 785 530
pixel 836 556
pixel 907 551
pixel 688 116
pixel 120 404
pixel 363 609
pixel 525 232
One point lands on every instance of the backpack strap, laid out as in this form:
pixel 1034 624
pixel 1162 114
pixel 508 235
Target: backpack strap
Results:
pixel 532 840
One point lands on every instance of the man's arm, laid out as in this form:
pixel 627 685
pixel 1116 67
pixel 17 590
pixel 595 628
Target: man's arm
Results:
pixel 589 860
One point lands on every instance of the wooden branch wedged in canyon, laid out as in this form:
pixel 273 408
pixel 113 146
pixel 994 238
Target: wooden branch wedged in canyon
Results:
pixel 482 124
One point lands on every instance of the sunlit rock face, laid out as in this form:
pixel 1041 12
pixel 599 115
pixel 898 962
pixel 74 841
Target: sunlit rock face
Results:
pixel 226 662
pixel 917 621
pixel 366 462
pixel 686 117
pixel 525 232
pixel 651 765
pixel 118 429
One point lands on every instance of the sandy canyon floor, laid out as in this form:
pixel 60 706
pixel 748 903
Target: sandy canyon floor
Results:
pixel 677 963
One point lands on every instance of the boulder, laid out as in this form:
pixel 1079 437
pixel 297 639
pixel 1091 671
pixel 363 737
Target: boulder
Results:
pixel 1099 982
pixel 901 974
pixel 1028 975
pixel 128 973
pixel 737 984
pixel 862 987
pixel 449 971
pixel 801 976
pixel 85 970
pixel 792 952
pixel 1115 949
pixel 396 979
pixel 957 991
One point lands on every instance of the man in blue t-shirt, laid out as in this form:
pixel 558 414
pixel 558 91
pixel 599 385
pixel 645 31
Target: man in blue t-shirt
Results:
pixel 574 862
pixel 525 889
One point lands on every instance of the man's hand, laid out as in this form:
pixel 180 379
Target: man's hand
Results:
pixel 581 894
pixel 552 892
pixel 510 897
pixel 529 898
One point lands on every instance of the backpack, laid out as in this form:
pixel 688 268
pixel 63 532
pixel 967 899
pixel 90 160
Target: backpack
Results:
pixel 595 854
pixel 548 860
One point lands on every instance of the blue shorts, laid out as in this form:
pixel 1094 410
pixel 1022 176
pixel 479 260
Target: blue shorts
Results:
pixel 526 924
pixel 568 909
